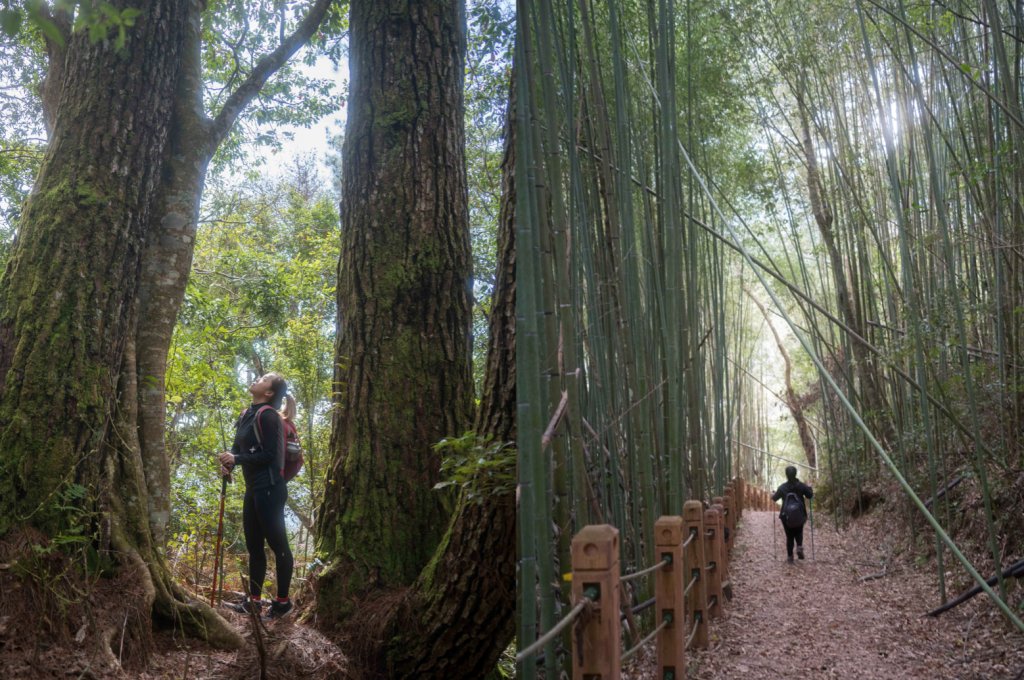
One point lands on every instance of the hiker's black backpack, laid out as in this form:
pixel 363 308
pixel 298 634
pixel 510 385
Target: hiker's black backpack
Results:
pixel 793 514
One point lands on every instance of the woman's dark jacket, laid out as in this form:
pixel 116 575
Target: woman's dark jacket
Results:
pixel 260 457
pixel 796 486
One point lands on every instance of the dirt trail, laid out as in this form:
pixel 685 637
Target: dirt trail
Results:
pixel 820 618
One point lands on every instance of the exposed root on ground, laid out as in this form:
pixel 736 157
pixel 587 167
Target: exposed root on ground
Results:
pixel 57 620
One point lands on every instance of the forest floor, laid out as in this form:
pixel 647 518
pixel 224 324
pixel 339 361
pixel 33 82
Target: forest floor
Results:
pixel 283 649
pixel 852 610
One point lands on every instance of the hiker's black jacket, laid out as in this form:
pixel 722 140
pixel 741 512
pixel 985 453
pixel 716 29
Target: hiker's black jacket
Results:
pixel 797 487
pixel 261 462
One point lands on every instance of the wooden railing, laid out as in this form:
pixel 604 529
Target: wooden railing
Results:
pixel 691 579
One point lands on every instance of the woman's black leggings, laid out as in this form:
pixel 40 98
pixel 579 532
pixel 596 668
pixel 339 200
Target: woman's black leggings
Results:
pixel 792 535
pixel 263 520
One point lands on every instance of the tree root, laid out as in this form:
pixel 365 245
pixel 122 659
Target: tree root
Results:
pixel 172 603
pixel 197 618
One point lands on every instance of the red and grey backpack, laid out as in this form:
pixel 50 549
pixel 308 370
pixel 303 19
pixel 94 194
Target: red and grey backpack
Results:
pixel 291 446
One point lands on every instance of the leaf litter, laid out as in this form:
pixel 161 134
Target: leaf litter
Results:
pixel 853 609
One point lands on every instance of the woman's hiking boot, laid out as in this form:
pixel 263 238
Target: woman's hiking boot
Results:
pixel 800 551
pixel 279 609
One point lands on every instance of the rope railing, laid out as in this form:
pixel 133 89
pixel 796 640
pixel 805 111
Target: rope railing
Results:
pixel 547 637
pixel 693 631
pixel 645 605
pixel 666 621
pixel 688 541
pixel 665 561
pixel 692 583
pixel 695 544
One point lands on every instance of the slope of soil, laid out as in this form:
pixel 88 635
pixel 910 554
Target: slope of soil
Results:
pixel 850 610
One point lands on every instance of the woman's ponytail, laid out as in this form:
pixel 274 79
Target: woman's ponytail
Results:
pixel 289 410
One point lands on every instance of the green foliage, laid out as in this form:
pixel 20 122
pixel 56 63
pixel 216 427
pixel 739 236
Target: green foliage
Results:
pixel 479 466
pixel 98 20
pixel 236 34
pixel 261 297
pixel 488 61
pixel 506 667
pixel 14 20
pixel 72 550
pixel 22 143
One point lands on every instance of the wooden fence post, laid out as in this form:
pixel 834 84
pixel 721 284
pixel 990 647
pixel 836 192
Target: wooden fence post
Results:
pixel 669 584
pixel 713 565
pixel 597 652
pixel 695 563
pixel 723 535
pixel 731 514
pixel 741 491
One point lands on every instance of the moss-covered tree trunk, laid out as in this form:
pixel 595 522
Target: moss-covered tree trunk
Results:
pixel 69 308
pixel 67 299
pixel 402 378
pixel 92 293
pixel 458 617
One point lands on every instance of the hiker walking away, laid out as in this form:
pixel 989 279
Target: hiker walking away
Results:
pixel 794 513
pixel 259 449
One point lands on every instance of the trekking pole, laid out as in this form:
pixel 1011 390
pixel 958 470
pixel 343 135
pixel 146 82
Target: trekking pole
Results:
pixel 810 502
pixel 775 544
pixel 217 565
pixel 220 535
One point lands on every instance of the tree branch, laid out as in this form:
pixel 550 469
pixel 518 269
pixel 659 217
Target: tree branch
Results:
pixel 267 67
pixel 50 87
pixel 304 519
pixel 1016 570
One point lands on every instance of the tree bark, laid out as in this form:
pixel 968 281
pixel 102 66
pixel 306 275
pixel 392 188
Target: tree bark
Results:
pixel 69 305
pixel 402 379
pixel 112 222
pixel 873 398
pixel 458 617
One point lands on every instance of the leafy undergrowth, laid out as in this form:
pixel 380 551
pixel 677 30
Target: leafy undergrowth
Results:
pixel 853 609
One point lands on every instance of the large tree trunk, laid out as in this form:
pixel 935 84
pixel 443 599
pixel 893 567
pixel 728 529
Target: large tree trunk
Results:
pixel 69 304
pixel 402 357
pixel 68 297
pixel 165 267
pixel 92 294
pixel 458 617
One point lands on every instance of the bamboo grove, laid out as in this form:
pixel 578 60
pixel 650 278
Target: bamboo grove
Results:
pixel 702 181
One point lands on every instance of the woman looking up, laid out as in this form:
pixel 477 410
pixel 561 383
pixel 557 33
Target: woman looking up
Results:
pixel 259 449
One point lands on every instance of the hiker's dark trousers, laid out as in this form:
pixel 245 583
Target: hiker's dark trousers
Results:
pixel 263 520
pixel 792 535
